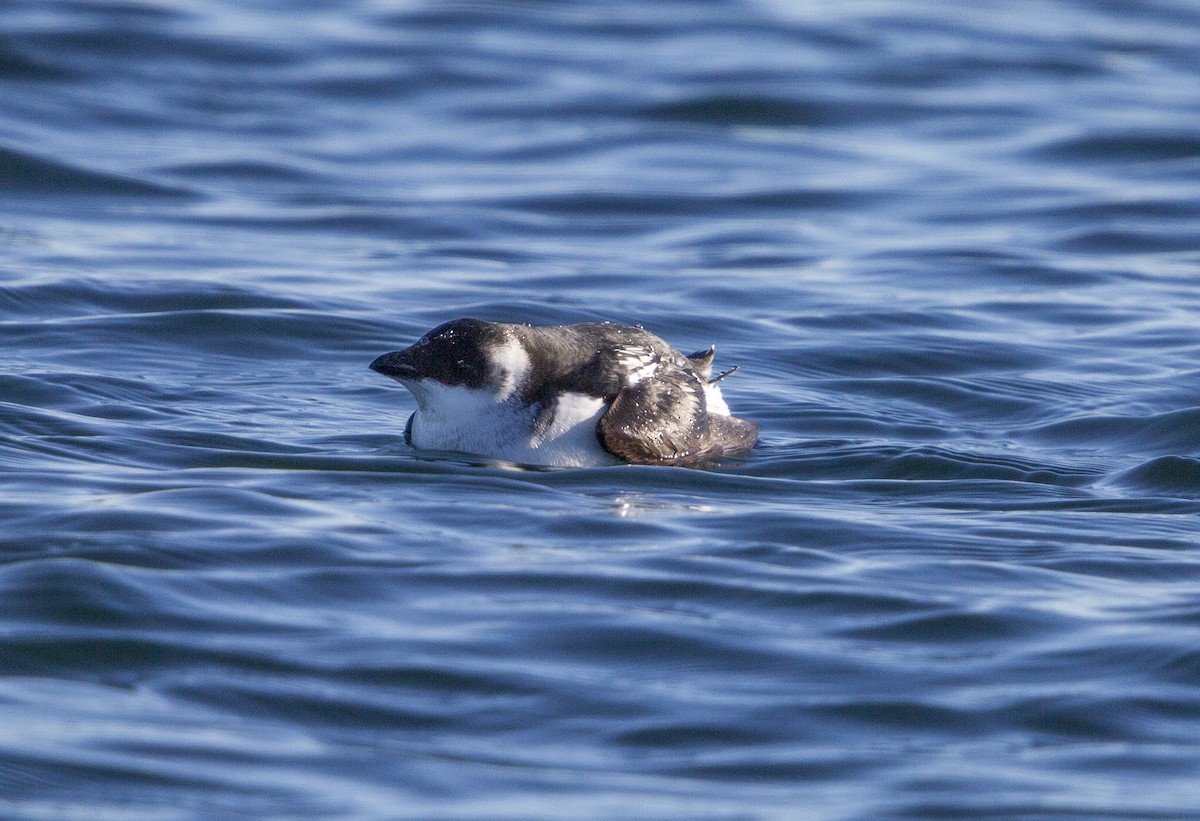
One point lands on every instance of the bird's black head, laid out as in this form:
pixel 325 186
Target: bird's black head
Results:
pixel 458 353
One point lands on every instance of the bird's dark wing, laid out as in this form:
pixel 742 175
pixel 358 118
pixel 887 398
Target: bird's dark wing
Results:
pixel 663 420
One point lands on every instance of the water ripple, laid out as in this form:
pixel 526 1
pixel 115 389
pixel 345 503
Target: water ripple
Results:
pixel 952 248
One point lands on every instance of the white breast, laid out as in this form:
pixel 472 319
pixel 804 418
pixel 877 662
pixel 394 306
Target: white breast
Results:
pixel 473 421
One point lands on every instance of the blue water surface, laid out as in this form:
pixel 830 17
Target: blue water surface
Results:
pixel 955 249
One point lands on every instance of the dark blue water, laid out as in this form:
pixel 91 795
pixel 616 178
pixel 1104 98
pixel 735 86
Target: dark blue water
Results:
pixel 955 248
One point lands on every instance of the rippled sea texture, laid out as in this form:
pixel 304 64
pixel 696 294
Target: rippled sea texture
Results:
pixel 955 248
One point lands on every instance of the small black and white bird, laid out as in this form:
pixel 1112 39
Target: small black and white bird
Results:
pixel 567 395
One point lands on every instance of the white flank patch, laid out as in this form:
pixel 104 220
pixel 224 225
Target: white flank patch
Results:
pixel 571 440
